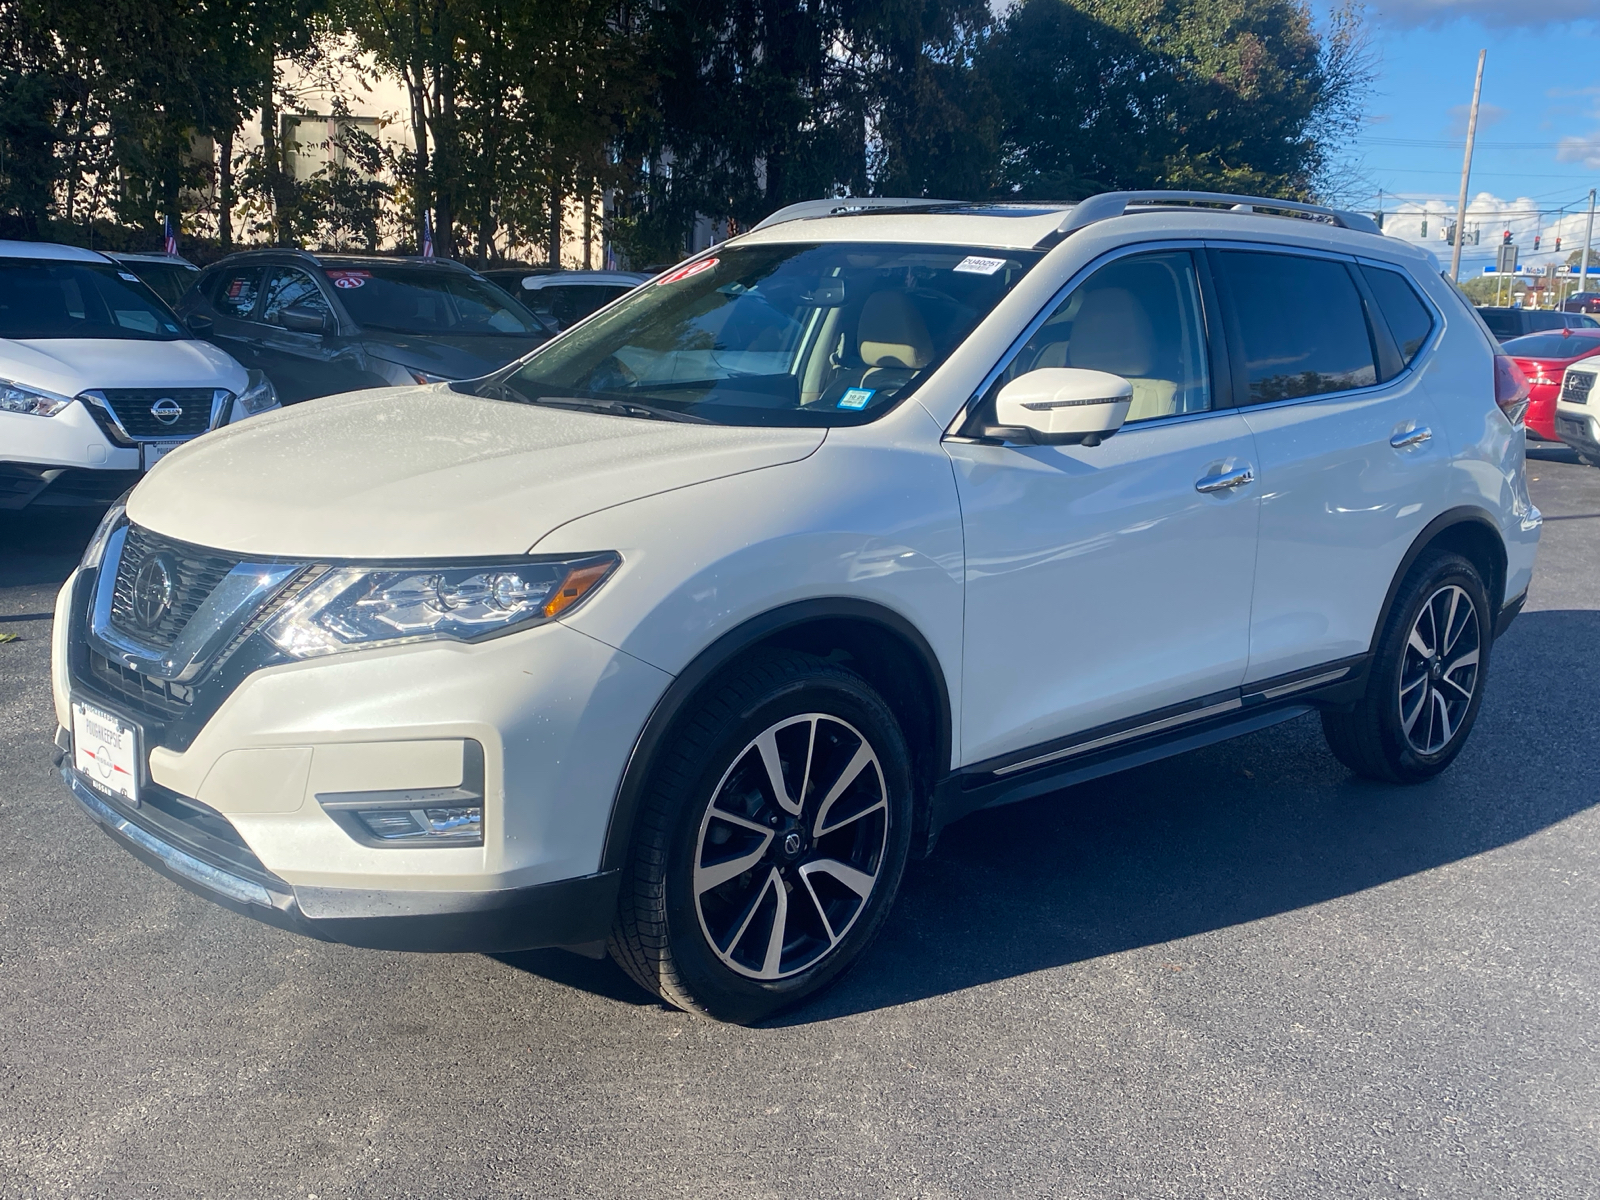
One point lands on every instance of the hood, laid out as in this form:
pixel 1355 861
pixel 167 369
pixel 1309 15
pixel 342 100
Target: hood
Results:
pixel 428 472
pixel 453 357
pixel 68 366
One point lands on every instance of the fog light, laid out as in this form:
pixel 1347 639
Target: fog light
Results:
pixel 457 824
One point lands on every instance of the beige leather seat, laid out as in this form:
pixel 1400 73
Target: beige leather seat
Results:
pixel 893 339
pixel 1113 333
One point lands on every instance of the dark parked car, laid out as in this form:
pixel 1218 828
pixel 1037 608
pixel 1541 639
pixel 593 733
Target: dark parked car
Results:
pixel 320 324
pixel 166 275
pixel 1583 302
pixel 1508 323
pixel 563 298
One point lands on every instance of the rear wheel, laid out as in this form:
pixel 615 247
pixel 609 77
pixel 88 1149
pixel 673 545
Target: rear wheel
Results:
pixel 1426 680
pixel 771 841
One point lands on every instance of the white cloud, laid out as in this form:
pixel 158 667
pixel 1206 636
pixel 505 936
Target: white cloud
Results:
pixel 1422 220
pixel 1499 14
pixel 1580 149
pixel 1488 114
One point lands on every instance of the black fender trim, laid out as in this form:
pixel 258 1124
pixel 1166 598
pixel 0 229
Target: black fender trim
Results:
pixel 1464 515
pixel 719 655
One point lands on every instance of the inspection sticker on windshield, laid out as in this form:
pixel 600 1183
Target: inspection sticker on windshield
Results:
pixel 105 751
pixel 972 264
pixel 857 397
pixel 349 279
pixel 129 277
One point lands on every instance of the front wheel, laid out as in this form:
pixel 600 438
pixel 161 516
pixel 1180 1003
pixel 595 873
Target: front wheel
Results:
pixel 771 841
pixel 1426 680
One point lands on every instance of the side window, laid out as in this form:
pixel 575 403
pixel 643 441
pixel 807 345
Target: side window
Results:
pixel 1408 318
pixel 1301 322
pixel 287 287
pixel 233 293
pixel 1139 317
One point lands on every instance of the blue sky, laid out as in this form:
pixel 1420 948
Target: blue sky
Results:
pixel 1538 143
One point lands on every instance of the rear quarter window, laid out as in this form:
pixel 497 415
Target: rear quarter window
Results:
pixel 1410 321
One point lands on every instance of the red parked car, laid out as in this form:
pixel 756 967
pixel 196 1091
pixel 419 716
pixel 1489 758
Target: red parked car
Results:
pixel 1543 357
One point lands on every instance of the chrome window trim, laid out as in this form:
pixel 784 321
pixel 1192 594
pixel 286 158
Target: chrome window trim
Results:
pixel 1415 365
pixel 953 430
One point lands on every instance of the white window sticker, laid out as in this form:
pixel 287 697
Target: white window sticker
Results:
pixel 857 398
pixel 972 264
pixel 129 277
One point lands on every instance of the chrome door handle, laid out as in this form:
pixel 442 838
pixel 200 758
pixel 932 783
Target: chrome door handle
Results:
pixel 1410 437
pixel 1225 481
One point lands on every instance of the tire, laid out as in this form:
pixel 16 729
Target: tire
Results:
pixel 1420 704
pixel 1587 460
pixel 719 857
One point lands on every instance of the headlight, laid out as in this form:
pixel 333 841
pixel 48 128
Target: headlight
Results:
pixel 18 399
pixel 259 394
pixel 352 608
pixel 96 549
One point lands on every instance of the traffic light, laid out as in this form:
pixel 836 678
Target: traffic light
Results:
pixel 1558 243
pixel 1424 226
pixel 1536 241
pixel 1505 238
pixel 1450 234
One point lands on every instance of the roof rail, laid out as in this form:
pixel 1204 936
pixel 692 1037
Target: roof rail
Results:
pixel 844 206
pixel 1113 204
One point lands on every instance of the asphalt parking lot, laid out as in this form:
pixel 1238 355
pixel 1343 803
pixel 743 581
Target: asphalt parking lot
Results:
pixel 1238 972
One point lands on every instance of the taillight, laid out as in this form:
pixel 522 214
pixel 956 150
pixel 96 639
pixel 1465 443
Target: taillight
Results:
pixel 1510 389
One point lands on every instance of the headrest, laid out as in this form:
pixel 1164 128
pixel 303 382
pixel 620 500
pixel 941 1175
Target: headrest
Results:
pixel 892 333
pixel 1113 333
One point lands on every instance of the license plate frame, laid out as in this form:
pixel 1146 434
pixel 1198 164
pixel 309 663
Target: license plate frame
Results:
pixel 150 453
pixel 105 750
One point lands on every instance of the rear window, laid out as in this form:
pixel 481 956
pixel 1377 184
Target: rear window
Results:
pixel 1302 325
pixel 1410 321
pixel 233 293
pixel 51 298
pixel 1551 345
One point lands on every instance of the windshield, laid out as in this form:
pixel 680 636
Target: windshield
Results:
pixel 408 300
pixel 830 334
pixel 167 280
pixel 1552 345
pixel 50 298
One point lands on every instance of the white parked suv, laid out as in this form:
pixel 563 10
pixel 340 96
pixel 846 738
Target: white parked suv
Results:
pixel 681 634
pixel 1578 411
pixel 98 378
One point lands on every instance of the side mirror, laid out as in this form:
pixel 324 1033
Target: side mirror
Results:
pixel 302 318
pixel 1062 406
pixel 200 325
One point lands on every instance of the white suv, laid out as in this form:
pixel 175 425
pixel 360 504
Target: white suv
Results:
pixel 98 378
pixel 681 634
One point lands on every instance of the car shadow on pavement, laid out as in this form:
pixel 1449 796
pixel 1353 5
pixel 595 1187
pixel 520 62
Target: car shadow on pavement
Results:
pixel 1232 833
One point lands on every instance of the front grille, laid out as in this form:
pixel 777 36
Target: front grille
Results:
pixel 196 573
pixel 133 405
pixel 1576 388
pixel 144 694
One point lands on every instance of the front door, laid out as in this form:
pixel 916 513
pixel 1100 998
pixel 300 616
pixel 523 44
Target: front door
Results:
pixel 1101 583
pixel 302 364
pixel 1353 457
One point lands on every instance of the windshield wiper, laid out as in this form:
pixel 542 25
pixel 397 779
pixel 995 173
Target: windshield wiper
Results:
pixel 616 408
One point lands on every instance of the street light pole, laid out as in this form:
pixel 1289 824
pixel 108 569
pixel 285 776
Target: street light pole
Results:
pixel 1466 170
pixel 1588 239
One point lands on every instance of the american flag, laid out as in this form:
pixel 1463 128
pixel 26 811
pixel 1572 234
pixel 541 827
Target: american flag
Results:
pixel 172 237
pixel 427 235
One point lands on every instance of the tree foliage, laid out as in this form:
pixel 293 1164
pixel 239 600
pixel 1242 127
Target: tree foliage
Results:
pixel 521 112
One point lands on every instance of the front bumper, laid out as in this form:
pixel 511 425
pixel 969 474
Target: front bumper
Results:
pixel 1576 428
pixel 569 912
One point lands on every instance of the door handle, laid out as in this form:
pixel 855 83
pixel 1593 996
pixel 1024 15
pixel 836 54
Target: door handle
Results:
pixel 1225 481
pixel 1407 438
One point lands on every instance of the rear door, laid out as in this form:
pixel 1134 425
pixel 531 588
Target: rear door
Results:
pixel 1353 457
pixel 233 295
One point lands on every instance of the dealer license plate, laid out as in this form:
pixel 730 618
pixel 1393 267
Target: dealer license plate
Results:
pixel 154 452
pixel 105 750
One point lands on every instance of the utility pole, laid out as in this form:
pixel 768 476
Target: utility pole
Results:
pixel 1466 170
pixel 1588 240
